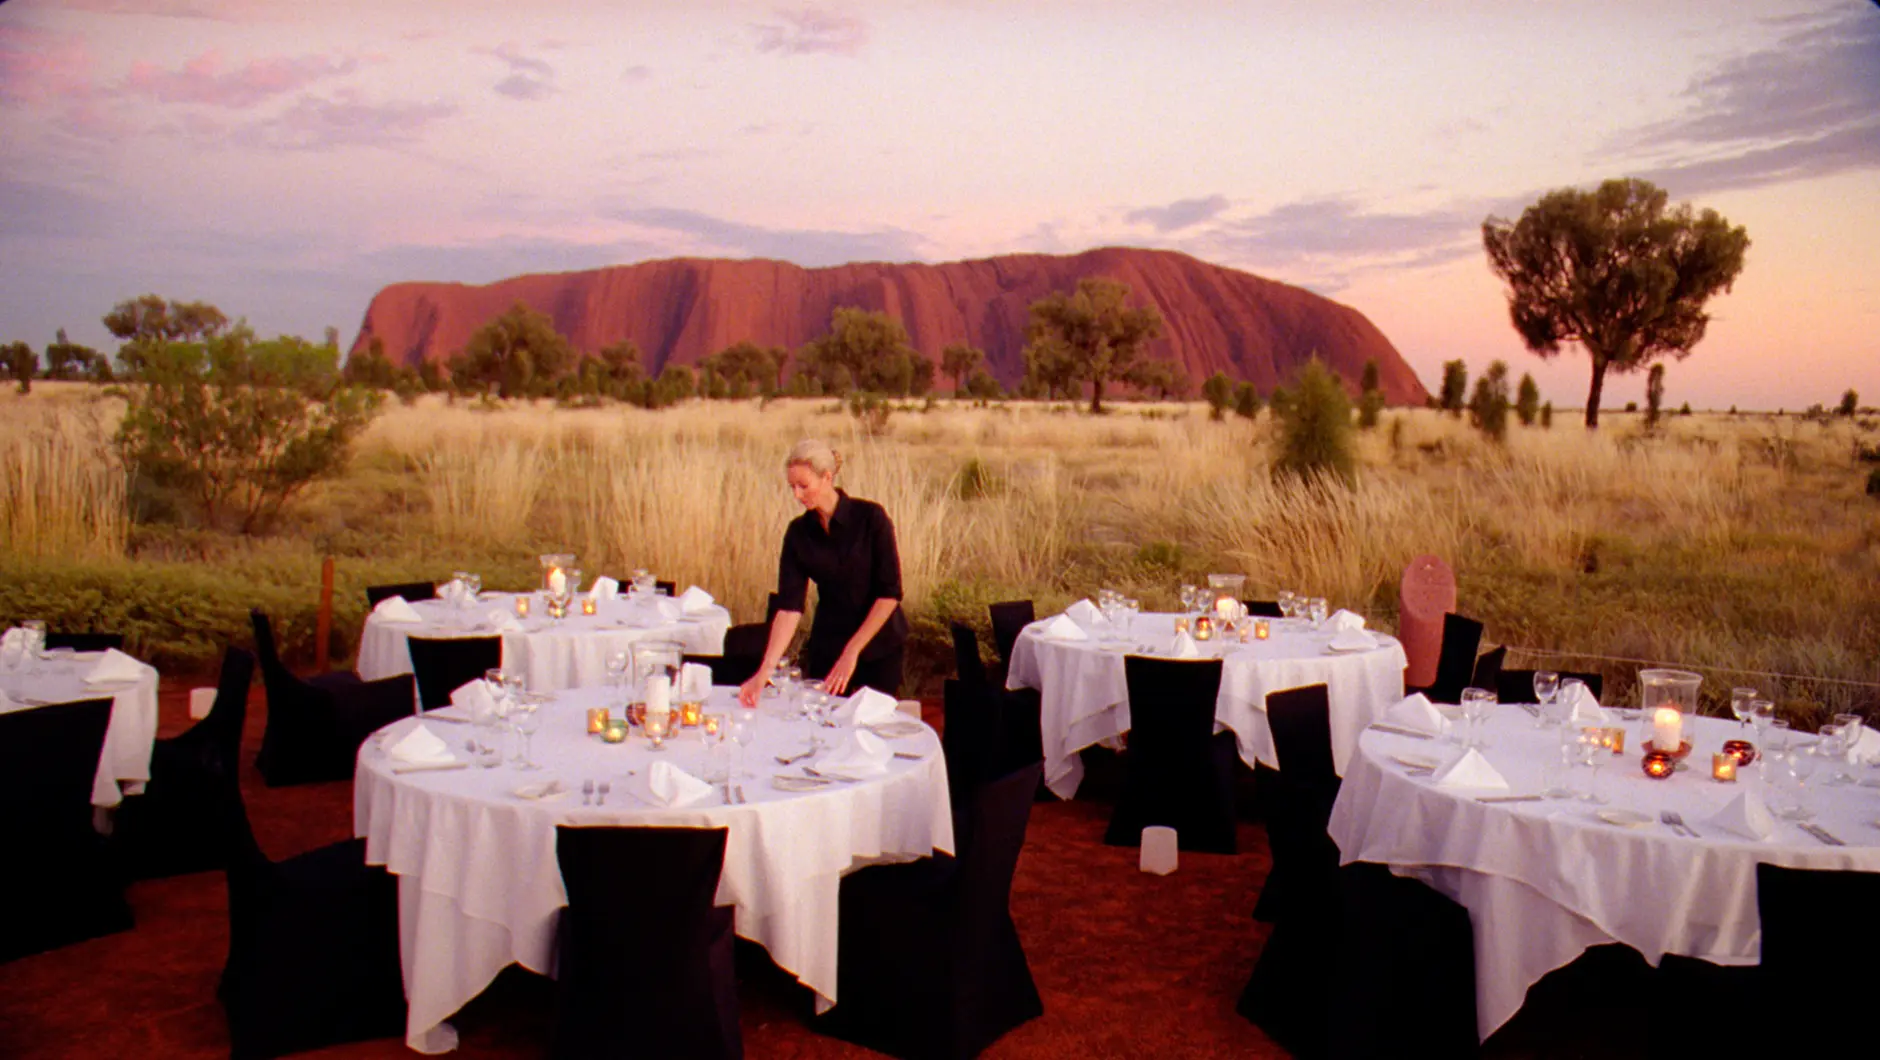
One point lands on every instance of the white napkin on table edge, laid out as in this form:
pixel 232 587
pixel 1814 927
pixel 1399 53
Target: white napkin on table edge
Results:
pixel 115 666
pixel 695 681
pixel 503 621
pixel 862 755
pixel 604 589
pixel 1343 621
pixel 1061 627
pixel 1184 647
pixel 1415 711
pixel 671 786
pixel 396 609
pixel 1866 748
pixel 1745 816
pixel 1087 616
pixel 420 747
pixel 11 638
pixel 1354 639
pixel 695 601
pixel 1470 771
pixel 6 703
pixel 868 706
pixel 473 698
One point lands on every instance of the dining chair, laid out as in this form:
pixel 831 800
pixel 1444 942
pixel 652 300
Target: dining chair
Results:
pixel 442 665
pixel 312 947
pixel 664 950
pixel 1299 797
pixel 315 725
pixel 1403 969
pixel 744 647
pixel 969 738
pixel 176 825
pixel 1008 620
pixel 1797 907
pixel 967 663
pixel 1517 686
pixel 1015 739
pixel 411 591
pixel 1263 608
pixel 929 964
pixel 669 588
pixel 1488 669
pixel 1455 667
pixel 62 882
pixel 85 641
pixel 1178 771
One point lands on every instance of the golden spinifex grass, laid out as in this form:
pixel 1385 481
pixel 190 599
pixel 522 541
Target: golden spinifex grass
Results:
pixel 1718 541
pixel 62 491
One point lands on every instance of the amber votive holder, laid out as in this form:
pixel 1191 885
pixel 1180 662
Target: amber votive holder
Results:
pixel 1742 750
pixel 597 720
pixel 588 605
pixel 1658 764
pixel 522 605
pixel 616 731
pixel 1614 738
pixel 1723 767
pixel 691 715
pixel 1204 628
pixel 1262 629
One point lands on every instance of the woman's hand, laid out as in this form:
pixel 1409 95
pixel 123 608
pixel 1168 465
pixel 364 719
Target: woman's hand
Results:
pixel 751 689
pixel 836 682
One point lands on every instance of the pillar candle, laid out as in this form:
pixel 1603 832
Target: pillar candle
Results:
pixel 1667 729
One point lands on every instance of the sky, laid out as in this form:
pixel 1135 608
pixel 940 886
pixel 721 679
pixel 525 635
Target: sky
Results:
pixel 284 160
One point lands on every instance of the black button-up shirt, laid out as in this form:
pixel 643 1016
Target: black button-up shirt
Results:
pixel 853 563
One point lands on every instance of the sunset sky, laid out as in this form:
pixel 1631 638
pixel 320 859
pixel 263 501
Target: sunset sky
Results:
pixel 285 160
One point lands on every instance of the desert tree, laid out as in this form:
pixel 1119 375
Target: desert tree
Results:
pixel 1315 435
pixel 1527 400
pixel 21 363
pixel 149 320
pixel 518 354
pixel 959 361
pixel 1165 380
pixel 1096 331
pixel 1218 391
pixel 1547 415
pixel 1654 394
pixel 982 386
pixel 1370 396
pixel 1488 405
pixel 865 349
pixel 1850 403
pixel 1615 270
pixel 66 359
pixel 1246 401
pixel 1455 391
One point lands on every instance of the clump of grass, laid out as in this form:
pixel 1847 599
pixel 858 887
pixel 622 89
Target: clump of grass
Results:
pixel 976 480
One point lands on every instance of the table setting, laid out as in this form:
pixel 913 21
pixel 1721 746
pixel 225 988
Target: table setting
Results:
pixel 1075 661
pixel 558 635
pixel 1565 824
pixel 461 803
pixel 33 677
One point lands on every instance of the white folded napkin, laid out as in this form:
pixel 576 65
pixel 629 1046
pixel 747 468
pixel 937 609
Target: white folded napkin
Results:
pixel 453 592
pixel 503 621
pixel 695 681
pixel 1060 627
pixel 10 640
pixel 115 666
pixel 1353 640
pixel 863 754
pixel 672 786
pixel 553 789
pixel 1086 615
pixel 1343 620
pixel 604 589
pixel 1586 709
pixel 420 747
pixel 1746 816
pixel 869 707
pixel 1470 771
pixel 1866 748
pixel 473 696
pixel 1185 647
pixel 395 609
pixel 695 601
pixel 1415 711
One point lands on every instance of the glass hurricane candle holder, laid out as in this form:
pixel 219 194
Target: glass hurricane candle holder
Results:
pixel 1658 765
pixel 1614 738
pixel 691 714
pixel 714 724
pixel 1723 767
pixel 1181 623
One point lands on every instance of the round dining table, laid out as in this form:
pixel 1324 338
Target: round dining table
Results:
pixel 474 848
pixel 552 653
pixel 65 676
pixel 1084 698
pixel 1545 879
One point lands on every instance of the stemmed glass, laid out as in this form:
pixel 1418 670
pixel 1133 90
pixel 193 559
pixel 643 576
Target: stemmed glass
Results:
pixel 514 691
pixel 1453 715
pixel 1740 699
pixel 1762 716
pixel 1318 609
pixel 1557 775
pixel 744 733
pixel 1798 762
pixel 1187 599
pixel 526 717
pixel 1477 705
pixel 1593 753
pixel 617 662
pixel 1848 729
pixel 33 648
pixel 1546 687
pixel 1288 601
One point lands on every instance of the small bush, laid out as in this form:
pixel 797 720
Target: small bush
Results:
pixel 975 480
pixel 1246 402
pixel 1315 427
pixel 1547 416
pixel 1160 555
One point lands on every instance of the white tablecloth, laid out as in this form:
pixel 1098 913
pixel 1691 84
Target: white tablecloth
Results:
pixel 124 767
pixel 1086 698
pixel 1544 881
pixel 478 883
pixel 571 653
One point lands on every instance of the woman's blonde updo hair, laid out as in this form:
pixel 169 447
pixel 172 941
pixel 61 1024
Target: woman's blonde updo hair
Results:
pixel 815 454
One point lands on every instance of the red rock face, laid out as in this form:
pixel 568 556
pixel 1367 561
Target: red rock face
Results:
pixel 678 311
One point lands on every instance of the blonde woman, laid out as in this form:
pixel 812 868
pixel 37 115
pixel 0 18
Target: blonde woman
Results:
pixel 846 546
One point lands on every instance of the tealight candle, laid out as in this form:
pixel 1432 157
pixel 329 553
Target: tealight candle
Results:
pixel 1204 628
pixel 1723 767
pixel 597 719
pixel 1181 623
pixel 656 726
pixel 1615 739
pixel 1658 764
pixel 1742 750
pixel 588 606
pixel 557 581
pixel 1262 629
pixel 691 715
pixel 616 731
pixel 522 605
pixel 713 722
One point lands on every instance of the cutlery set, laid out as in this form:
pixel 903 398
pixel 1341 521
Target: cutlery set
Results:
pixel 1820 833
pixel 1675 821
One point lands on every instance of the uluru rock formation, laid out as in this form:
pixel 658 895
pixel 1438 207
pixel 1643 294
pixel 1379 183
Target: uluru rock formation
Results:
pixel 680 310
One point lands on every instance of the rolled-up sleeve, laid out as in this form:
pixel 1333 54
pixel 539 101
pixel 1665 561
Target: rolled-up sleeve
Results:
pixel 792 580
pixel 884 580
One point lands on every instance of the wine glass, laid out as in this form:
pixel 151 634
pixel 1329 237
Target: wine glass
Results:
pixel 1762 714
pixel 1740 699
pixel 1452 716
pixel 33 645
pixel 744 733
pixel 1849 727
pixel 1557 771
pixel 1318 608
pixel 526 717
pixel 1593 754
pixel 617 662
pixel 1801 759
pixel 1477 705
pixel 1546 687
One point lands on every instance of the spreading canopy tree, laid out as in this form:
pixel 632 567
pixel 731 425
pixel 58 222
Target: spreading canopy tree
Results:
pixel 1094 332
pixel 519 354
pixel 1615 270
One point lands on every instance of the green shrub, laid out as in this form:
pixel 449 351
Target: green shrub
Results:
pixel 1246 401
pixel 1315 426
pixel 976 479
pixel 1160 555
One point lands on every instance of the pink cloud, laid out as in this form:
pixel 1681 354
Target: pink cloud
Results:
pixel 37 65
pixel 214 10
pixel 316 124
pixel 811 30
pixel 202 80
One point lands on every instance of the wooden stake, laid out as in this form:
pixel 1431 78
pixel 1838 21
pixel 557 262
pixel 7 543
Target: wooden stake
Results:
pixel 323 628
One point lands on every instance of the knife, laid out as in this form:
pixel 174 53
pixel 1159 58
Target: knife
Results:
pixel 431 767
pixel 1822 834
pixel 1508 798
pixel 1395 731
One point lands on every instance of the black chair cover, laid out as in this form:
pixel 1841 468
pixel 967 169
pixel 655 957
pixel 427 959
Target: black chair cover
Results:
pixel 966 661
pixel 177 824
pixel 1008 620
pixel 1517 686
pixel 743 654
pixel 1455 666
pixel 670 588
pixel 85 641
pixel 1406 971
pixel 1488 670
pixel 930 965
pixel 1299 798
pixel 411 591
pixel 315 727
pixel 442 665
pixel 969 738
pixel 640 983
pixel 1263 608
pixel 1180 774
pixel 313 947
pixel 1812 920
pixel 60 883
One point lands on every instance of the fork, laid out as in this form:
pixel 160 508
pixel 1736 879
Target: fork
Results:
pixel 1675 821
pixel 604 789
